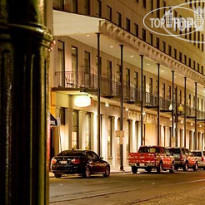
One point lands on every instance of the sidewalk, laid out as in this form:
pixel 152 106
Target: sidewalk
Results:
pixel 113 170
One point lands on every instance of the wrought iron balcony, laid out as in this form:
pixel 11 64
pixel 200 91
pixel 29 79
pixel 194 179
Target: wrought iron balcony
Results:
pixel 150 100
pixel 200 115
pixel 165 104
pixel 131 94
pixel 190 111
pixel 70 79
pixel 112 89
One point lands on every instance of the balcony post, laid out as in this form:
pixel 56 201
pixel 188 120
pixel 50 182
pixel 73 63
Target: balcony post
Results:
pixel 195 133
pixel 173 134
pixel 158 106
pixel 142 102
pixel 176 116
pixel 122 109
pixel 98 97
pixel 185 115
pixel 24 51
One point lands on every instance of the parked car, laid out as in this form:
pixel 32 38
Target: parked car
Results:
pixel 183 158
pixel 199 156
pixel 83 162
pixel 151 157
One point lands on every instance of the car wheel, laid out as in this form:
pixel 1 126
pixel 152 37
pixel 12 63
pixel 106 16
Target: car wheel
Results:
pixel 185 167
pixel 160 168
pixel 87 172
pixel 176 167
pixel 195 168
pixel 149 169
pixel 134 170
pixel 58 175
pixel 172 170
pixel 107 172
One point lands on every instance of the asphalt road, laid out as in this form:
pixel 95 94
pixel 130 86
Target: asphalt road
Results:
pixel 128 189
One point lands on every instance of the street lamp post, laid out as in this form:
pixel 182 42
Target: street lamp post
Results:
pixel 24 51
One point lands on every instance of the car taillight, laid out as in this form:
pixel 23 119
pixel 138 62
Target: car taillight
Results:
pixel 75 161
pixel 202 158
pixel 53 161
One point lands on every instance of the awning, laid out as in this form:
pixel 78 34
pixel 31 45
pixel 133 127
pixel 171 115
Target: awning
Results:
pixel 53 120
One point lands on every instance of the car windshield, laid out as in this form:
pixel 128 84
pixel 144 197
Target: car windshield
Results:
pixel 70 153
pixel 175 151
pixel 149 150
pixel 197 154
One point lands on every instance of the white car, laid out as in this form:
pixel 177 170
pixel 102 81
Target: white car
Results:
pixel 200 157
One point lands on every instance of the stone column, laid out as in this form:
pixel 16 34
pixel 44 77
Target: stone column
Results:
pixel 199 141
pixel 81 129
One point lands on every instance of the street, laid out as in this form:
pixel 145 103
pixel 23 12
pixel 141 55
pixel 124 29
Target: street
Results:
pixel 129 189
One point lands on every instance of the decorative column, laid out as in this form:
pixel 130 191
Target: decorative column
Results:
pixel 81 130
pixel 24 65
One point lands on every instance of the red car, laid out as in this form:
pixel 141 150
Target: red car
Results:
pixel 152 157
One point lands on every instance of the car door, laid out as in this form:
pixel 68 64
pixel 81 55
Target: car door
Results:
pixel 163 157
pixel 98 163
pixel 198 156
pixel 203 158
pixel 187 156
pixel 169 158
pixel 91 163
pixel 191 159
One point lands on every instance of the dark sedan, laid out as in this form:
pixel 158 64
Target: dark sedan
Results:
pixel 83 162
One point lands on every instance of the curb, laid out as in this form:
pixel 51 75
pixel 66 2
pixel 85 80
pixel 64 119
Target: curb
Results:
pixel 51 175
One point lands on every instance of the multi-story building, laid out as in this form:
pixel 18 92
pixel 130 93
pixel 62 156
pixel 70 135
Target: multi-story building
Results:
pixel 149 62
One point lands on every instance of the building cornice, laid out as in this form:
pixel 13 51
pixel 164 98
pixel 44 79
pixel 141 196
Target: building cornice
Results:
pixel 127 39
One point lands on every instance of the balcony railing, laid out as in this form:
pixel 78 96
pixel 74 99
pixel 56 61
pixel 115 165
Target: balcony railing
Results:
pixel 131 94
pixel 190 111
pixel 165 103
pixel 70 79
pixel 150 99
pixel 111 88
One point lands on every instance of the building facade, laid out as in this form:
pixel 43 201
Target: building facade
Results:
pixel 163 79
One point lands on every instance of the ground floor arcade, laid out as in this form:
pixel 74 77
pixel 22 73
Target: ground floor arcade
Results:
pixel 78 128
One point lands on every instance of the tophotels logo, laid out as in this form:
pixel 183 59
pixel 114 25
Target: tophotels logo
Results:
pixel 179 27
